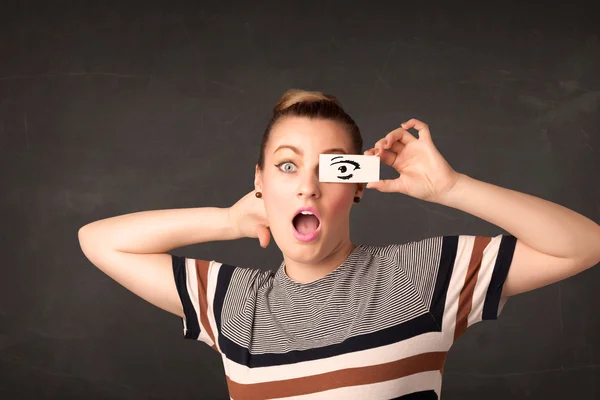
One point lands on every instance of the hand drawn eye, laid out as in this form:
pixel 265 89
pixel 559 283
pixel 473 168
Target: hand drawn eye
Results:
pixel 344 168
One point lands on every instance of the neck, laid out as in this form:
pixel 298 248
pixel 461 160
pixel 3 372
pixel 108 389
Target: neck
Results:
pixel 307 273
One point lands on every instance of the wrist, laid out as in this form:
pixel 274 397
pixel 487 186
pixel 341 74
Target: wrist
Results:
pixel 454 193
pixel 232 223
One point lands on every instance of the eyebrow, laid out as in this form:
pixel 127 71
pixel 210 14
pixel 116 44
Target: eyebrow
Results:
pixel 298 151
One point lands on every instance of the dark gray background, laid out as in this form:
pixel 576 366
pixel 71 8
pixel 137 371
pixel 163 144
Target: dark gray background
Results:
pixel 110 108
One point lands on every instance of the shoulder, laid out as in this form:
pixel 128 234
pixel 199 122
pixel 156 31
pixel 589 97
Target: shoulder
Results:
pixel 405 251
pixel 215 272
pixel 241 277
pixel 409 257
pixel 379 250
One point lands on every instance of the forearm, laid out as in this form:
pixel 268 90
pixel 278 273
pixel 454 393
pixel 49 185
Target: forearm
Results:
pixel 158 231
pixel 544 226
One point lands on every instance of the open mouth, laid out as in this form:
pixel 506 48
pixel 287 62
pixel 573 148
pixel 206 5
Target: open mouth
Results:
pixel 306 222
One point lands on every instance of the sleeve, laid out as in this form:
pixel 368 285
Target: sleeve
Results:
pixel 197 283
pixel 460 278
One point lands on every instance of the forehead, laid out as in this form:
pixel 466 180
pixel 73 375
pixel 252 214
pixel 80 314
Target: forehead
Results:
pixel 309 135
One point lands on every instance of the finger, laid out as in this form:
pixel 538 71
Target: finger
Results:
pixel 374 151
pixel 264 235
pixel 397 147
pixel 379 145
pixel 383 185
pixel 420 126
pixel 387 157
pixel 264 242
pixel 398 135
pixel 381 142
pixel 395 140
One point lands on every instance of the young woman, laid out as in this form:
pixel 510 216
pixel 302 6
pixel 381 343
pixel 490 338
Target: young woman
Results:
pixel 337 319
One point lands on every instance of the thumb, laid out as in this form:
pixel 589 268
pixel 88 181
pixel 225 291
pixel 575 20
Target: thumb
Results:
pixel 264 236
pixel 383 185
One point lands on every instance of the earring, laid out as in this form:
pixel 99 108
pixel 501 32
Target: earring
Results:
pixel 258 194
pixel 356 199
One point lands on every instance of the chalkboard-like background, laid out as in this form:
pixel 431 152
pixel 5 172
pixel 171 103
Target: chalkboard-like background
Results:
pixel 108 108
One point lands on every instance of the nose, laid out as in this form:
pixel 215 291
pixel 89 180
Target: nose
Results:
pixel 309 185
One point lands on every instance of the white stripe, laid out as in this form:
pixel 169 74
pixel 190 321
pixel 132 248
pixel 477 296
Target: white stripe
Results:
pixel 488 260
pixel 193 280
pixel 213 273
pixel 457 282
pixel 192 289
pixel 424 343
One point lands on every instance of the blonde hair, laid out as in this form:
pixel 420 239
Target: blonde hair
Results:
pixel 293 96
pixel 312 105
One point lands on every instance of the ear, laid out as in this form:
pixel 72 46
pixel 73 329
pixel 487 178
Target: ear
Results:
pixel 257 179
pixel 360 188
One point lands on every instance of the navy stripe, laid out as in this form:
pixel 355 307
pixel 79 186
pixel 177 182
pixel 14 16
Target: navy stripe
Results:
pixel 191 318
pixel 424 395
pixel 223 280
pixel 397 333
pixel 444 273
pixel 503 261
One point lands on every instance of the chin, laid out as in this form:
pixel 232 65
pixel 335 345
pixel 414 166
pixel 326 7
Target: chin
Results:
pixel 303 252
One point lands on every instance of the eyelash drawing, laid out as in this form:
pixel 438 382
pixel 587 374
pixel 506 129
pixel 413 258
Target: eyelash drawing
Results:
pixel 343 167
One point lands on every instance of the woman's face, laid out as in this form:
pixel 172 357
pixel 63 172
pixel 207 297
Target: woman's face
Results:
pixel 290 180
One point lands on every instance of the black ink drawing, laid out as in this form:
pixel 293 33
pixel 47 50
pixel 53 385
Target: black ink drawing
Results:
pixel 343 168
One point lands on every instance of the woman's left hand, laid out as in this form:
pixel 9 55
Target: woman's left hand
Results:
pixel 424 173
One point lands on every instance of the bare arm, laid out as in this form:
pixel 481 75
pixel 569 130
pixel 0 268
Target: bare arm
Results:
pixel 159 231
pixel 131 248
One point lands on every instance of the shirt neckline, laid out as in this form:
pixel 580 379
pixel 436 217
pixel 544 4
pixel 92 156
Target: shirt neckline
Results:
pixel 282 277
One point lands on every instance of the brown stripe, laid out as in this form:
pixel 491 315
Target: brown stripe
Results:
pixel 202 274
pixel 465 301
pixel 443 364
pixel 336 379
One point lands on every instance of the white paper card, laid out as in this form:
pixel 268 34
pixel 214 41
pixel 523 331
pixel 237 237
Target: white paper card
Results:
pixel 348 168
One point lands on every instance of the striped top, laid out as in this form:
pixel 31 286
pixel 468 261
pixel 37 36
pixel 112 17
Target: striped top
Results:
pixel 377 327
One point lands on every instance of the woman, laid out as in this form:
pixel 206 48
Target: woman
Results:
pixel 337 319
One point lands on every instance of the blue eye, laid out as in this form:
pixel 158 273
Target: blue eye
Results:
pixel 285 162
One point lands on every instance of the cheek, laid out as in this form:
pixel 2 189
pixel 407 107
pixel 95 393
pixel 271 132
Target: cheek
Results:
pixel 276 213
pixel 340 206
pixel 278 197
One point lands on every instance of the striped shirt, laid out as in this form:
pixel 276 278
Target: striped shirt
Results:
pixel 377 327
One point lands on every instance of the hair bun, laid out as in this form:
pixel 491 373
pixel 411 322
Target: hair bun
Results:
pixel 312 105
pixel 293 96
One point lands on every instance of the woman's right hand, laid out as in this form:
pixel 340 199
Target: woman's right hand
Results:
pixel 248 218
